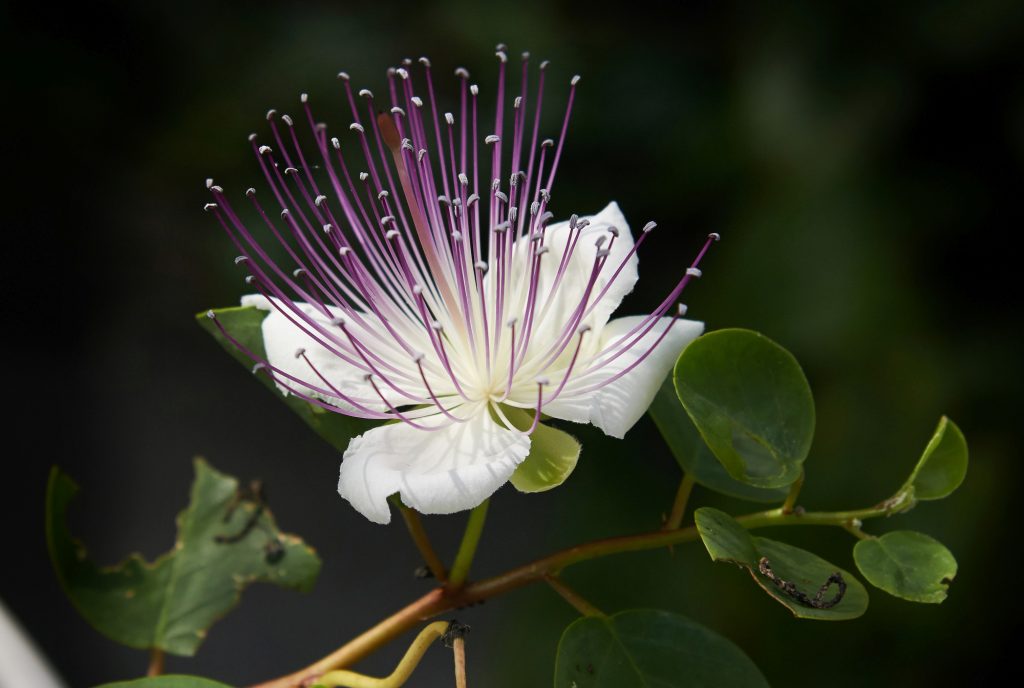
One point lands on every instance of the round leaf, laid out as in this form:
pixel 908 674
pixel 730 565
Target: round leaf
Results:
pixel 647 649
pixel 727 540
pixel 907 564
pixel 943 464
pixel 168 681
pixel 808 572
pixel 693 455
pixel 751 403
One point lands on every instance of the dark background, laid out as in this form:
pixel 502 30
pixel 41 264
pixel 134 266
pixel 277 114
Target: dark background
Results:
pixel 863 162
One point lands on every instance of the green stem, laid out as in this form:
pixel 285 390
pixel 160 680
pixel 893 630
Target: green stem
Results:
pixel 350 679
pixel 441 600
pixel 467 549
pixel 675 518
pixel 794 491
pixel 422 541
pixel 572 597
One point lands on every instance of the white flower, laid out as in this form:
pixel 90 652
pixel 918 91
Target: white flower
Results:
pixel 427 298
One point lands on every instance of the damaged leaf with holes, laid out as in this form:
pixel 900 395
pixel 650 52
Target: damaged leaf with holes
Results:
pixel 806 584
pixel 227 539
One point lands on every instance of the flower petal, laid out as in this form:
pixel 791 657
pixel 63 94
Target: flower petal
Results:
pixel 282 339
pixel 617 406
pixel 439 472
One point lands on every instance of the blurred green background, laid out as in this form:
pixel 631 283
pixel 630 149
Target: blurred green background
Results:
pixel 862 161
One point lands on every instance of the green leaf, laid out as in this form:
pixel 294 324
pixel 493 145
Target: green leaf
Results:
pixel 943 464
pixel 168 681
pixel 245 325
pixel 553 454
pixel 724 538
pixel 693 455
pixel 727 540
pixel 751 403
pixel 650 649
pixel 907 564
pixel 170 603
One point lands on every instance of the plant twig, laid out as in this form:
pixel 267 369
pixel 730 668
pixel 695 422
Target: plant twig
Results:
pixel 156 662
pixel 467 549
pixel 572 597
pixel 789 506
pixel 422 541
pixel 459 649
pixel 440 600
pixel 675 518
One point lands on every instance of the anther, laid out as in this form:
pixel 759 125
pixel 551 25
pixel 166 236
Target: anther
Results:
pixel 397 111
pixel 343 76
pixel 480 265
pixel 287 120
pixel 383 194
pixel 603 253
pixel 217 189
pixel 681 309
pixel 436 326
pixel 583 223
pixel 252 137
pixel 513 213
pixel 694 272
pixel 649 226
pixel 573 219
pixel 425 62
pixel 473 198
pixel 298 272
pixel 391 234
pixel 209 182
pixel 407 145
pixel 501 227
pixel 417 101
pixel 575 80
pixel 517 102
pixel 462 72
pixel 501 56
pixel 500 195
pixel 271 113
pixel 250 191
pixel 303 97
pixel 300 352
pixel 336 143
pixel 534 208
pixel 339 321
pixel 417 289
pixel 363 176
pixel 211 315
pixel 285 213
pixel 544 64
pixel 511 322
pixel 422 153
pixel 258 367
pixel 356 126
pixel 402 72
pixel 613 230
pixel 474 89
pixel 491 138
pixel 319 199
pixel 583 329
pixel 209 206
pixel 545 196
pixel 290 170
pixel 547 143
pixel 463 179
pixel 449 118
pixel 543 381
pixel 240 259
pixel 715 236
pixel 387 218
pixel 418 356
pixel 365 93
pixel 541 250
pixel 265 149
pixel 249 279
pixel 327 229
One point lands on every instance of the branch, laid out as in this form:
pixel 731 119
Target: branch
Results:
pixel 438 601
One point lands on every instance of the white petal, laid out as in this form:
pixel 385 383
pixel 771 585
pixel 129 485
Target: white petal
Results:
pixel 438 472
pixel 577 272
pixel 616 407
pixel 282 338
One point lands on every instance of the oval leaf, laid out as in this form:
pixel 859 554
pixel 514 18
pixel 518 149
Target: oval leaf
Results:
pixel 751 403
pixel 943 464
pixel 693 455
pixel 724 538
pixel 225 542
pixel 168 681
pixel 907 564
pixel 727 540
pixel 244 323
pixel 647 649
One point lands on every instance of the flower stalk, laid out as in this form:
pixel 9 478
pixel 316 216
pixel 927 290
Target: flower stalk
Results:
pixel 467 549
